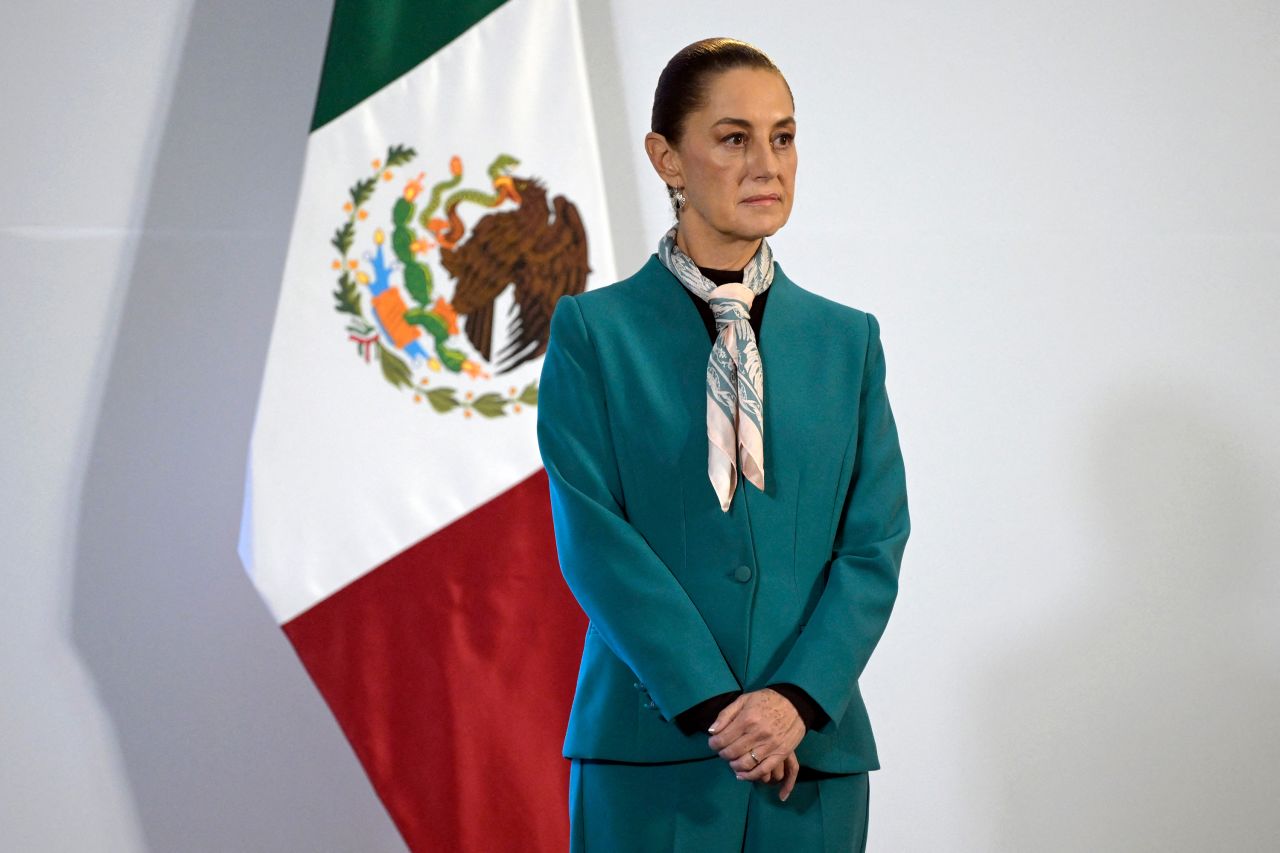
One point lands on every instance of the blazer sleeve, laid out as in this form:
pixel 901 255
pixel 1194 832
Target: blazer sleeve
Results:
pixel 637 605
pixel 862 582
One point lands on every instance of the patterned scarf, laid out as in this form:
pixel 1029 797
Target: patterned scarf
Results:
pixel 735 375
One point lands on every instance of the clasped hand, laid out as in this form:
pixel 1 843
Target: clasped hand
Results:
pixel 764 721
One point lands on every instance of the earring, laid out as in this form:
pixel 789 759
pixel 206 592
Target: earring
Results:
pixel 678 199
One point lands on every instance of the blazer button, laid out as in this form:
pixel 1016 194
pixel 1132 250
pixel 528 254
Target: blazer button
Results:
pixel 742 574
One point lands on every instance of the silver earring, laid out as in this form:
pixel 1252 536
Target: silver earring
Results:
pixel 678 199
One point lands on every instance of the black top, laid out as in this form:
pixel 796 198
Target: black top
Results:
pixel 705 712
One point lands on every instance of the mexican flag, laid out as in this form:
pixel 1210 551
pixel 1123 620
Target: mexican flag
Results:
pixel 396 519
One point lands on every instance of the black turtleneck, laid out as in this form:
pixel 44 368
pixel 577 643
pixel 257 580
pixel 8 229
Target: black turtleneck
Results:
pixel 704 713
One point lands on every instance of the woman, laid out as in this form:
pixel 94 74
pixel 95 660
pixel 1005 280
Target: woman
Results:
pixel 717 705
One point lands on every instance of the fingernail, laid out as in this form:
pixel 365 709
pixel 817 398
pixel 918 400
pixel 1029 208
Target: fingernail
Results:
pixel 738 776
pixel 712 728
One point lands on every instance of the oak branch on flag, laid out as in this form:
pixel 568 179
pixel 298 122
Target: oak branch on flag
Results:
pixel 396 518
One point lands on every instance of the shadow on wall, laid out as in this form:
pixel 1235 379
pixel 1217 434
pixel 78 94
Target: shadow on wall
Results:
pixel 632 244
pixel 1149 722
pixel 225 741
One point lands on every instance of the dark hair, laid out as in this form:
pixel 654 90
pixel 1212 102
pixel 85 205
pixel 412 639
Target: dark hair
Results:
pixel 682 85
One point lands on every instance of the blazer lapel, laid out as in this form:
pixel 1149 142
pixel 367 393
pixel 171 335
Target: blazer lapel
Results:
pixel 787 350
pixel 787 353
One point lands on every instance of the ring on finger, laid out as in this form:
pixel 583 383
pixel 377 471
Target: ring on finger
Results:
pixel 753 758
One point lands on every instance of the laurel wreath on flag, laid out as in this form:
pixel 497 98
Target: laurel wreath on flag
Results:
pixel 426 330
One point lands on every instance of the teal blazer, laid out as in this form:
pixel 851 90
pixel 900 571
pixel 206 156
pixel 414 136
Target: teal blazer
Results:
pixel 794 583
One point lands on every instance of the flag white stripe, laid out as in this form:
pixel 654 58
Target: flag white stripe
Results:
pixel 345 470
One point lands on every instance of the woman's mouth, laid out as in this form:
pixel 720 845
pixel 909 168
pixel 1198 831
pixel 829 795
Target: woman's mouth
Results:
pixel 762 200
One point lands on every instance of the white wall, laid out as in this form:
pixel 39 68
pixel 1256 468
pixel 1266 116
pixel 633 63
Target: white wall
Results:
pixel 148 701
pixel 1065 216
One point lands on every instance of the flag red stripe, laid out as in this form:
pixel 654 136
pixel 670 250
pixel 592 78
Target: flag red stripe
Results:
pixel 451 669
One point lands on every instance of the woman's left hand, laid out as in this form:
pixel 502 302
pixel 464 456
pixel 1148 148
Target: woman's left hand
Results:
pixel 764 721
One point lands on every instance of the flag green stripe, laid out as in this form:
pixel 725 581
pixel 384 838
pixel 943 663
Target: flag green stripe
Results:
pixel 372 42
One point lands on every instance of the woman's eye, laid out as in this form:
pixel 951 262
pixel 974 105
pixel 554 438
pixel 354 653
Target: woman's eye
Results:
pixel 735 136
pixel 786 139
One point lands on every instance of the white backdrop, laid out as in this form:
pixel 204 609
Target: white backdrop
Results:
pixel 1066 218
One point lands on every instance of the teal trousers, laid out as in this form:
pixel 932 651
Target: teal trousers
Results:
pixel 699 806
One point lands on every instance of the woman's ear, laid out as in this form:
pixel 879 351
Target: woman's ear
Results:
pixel 665 159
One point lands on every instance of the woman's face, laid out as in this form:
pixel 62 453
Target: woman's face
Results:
pixel 736 158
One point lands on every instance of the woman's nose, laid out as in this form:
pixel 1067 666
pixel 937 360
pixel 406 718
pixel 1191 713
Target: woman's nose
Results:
pixel 762 160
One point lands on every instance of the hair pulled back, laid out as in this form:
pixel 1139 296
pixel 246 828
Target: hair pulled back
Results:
pixel 682 85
